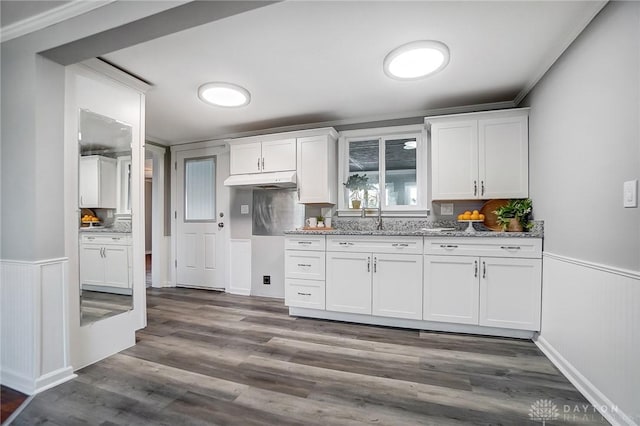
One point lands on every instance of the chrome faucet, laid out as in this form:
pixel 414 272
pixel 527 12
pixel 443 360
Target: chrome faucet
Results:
pixel 379 225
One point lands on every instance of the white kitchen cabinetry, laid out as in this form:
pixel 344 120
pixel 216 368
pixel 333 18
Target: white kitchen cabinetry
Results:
pixel 501 286
pixel 451 289
pixel 304 267
pixel 373 275
pixel 105 260
pixel 480 155
pixel 511 293
pixel 263 157
pixel 97 182
pixel 317 169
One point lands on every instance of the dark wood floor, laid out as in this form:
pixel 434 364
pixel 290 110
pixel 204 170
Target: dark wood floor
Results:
pixel 10 401
pixel 212 358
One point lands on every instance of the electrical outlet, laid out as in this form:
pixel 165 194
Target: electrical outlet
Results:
pixel 630 191
pixel 244 209
pixel 446 209
pixel 266 279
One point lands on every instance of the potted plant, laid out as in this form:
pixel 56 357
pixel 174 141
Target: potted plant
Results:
pixel 357 183
pixel 515 216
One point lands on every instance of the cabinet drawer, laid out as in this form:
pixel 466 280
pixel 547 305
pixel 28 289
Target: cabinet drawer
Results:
pixel 105 238
pixel 305 242
pixel 304 293
pixel 306 265
pixel 378 244
pixel 478 246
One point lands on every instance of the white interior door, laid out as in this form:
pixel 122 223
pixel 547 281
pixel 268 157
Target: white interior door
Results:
pixel 200 256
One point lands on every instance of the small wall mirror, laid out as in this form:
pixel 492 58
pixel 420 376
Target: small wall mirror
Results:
pixel 104 201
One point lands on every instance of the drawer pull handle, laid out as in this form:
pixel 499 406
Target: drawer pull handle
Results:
pixel 448 246
pixel 345 244
pixel 399 245
pixel 115 238
pixel 91 238
pixel 304 265
pixel 304 294
pixel 305 242
pixel 510 247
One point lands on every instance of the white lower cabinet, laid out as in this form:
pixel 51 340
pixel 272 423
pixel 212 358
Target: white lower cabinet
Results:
pixel 349 282
pixel 451 289
pixel 511 293
pixel 304 270
pixel 501 292
pixel 105 260
pixel 397 285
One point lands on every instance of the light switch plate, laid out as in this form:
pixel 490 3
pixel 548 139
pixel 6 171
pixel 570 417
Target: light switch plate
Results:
pixel 630 199
pixel 446 209
pixel 244 209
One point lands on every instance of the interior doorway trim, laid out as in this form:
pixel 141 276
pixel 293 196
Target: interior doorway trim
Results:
pixel 159 242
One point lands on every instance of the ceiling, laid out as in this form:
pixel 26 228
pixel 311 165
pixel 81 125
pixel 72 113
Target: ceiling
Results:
pixel 319 63
pixel 12 11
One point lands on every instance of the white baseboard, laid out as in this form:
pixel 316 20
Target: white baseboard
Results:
pixel 408 323
pixel 604 405
pixel 239 291
pixel 31 386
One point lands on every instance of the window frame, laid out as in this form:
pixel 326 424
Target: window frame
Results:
pixel 382 134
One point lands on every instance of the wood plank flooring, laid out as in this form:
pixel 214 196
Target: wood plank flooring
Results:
pixel 212 358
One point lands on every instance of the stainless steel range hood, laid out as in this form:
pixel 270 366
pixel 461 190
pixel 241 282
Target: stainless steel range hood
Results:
pixel 263 180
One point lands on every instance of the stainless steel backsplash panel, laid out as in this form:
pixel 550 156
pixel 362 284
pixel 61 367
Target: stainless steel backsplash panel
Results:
pixel 276 211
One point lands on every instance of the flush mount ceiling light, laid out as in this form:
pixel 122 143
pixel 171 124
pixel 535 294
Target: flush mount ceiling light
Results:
pixel 417 59
pixel 224 94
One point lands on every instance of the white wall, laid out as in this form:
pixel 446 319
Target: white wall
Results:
pixel 584 142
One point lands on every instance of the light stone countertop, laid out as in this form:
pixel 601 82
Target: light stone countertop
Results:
pixel 398 227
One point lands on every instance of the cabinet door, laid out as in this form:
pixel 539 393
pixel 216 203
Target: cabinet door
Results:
pixel 454 160
pixel 89 182
pixel 451 289
pixel 504 157
pixel 116 266
pixel 397 285
pixel 279 155
pixel 510 293
pixel 91 264
pixel 245 158
pixel 348 286
pixel 317 170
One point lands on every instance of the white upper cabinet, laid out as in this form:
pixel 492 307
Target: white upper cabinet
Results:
pixel 317 169
pixel 262 157
pixel 480 156
pixel 245 158
pixel 278 156
pixel 97 182
pixel 454 160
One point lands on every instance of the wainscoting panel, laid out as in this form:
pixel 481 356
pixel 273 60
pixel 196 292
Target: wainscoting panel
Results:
pixel 240 267
pixel 591 332
pixel 34 324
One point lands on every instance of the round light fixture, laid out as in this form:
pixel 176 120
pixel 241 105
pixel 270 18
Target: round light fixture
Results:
pixel 410 145
pixel 417 59
pixel 224 94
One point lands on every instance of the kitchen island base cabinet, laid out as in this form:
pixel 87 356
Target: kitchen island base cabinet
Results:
pixel 349 282
pixel 451 289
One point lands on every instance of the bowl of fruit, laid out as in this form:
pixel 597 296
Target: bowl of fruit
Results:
pixel 470 217
pixel 90 221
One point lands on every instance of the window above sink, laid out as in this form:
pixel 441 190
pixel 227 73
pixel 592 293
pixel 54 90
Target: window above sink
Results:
pixel 388 167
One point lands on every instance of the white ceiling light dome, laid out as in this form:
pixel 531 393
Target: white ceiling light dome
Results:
pixel 223 94
pixel 416 60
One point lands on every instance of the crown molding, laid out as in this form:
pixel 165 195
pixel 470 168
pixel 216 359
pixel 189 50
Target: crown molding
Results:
pixel 50 17
pixel 558 50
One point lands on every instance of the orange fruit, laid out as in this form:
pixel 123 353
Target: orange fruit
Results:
pixel 481 217
pixel 467 213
